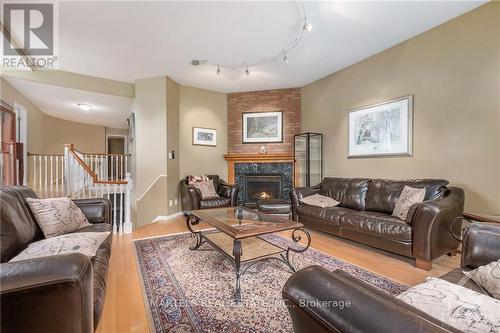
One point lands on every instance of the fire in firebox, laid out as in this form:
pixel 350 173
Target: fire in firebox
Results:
pixel 264 195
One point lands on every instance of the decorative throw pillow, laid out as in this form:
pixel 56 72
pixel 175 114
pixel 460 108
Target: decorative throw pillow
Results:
pixel 57 216
pixel 460 307
pixel 207 189
pixel 319 200
pixel 488 277
pixel 408 197
pixel 196 178
pixel 86 243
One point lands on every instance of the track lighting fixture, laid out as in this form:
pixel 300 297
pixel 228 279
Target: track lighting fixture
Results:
pixel 303 27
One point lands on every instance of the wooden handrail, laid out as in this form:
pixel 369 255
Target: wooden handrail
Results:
pixel 90 171
pixel 101 154
pixel 479 218
pixel 34 154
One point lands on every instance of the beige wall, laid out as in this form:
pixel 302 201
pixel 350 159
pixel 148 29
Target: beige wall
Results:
pixel 173 165
pixel 202 108
pixel 46 134
pixel 454 73
pixel 150 108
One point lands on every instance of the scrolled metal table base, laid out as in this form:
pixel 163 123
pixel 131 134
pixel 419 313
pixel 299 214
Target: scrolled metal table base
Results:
pixel 190 221
pixel 235 260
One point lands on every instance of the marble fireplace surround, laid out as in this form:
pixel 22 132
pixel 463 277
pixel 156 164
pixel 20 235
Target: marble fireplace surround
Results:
pixel 265 164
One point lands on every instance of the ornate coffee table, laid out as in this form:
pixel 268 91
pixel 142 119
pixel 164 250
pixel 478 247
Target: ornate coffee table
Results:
pixel 238 237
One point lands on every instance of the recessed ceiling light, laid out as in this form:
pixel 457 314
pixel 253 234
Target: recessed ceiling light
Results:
pixel 84 107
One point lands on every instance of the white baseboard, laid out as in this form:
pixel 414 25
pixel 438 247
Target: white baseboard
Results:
pixel 167 217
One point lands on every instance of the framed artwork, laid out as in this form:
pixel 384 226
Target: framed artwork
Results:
pixel 383 129
pixel 262 127
pixel 204 136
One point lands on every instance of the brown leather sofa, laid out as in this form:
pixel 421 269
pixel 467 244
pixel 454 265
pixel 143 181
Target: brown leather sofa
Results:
pixel 62 293
pixel 364 215
pixel 191 196
pixel 371 310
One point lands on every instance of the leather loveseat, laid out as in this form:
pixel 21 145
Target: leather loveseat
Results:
pixel 61 293
pixel 372 310
pixel 191 197
pixel 364 215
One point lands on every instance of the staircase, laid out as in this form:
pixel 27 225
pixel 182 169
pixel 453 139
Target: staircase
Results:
pixel 80 175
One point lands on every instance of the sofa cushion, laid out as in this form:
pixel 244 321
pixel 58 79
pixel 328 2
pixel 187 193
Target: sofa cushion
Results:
pixel 215 202
pixel 328 215
pixel 488 277
pixel 57 216
pixel 207 189
pixel 457 276
pixel 18 227
pixel 462 308
pixel 383 193
pixel 319 200
pixel 350 192
pixel 377 225
pixel 409 196
pixel 86 243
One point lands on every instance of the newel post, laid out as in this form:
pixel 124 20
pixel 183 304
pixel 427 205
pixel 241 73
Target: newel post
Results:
pixel 127 226
pixel 67 181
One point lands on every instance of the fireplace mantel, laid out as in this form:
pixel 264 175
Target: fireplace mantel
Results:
pixel 233 158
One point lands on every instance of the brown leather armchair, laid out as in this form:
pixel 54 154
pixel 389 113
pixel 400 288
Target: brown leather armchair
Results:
pixel 370 310
pixel 61 293
pixel 191 196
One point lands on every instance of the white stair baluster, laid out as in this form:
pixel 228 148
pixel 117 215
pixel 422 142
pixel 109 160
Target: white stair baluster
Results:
pixel 40 172
pixel 33 158
pixel 51 175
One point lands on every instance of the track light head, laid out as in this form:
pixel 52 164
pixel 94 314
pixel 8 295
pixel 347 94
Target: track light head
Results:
pixel 247 72
pixel 218 70
pixel 285 59
pixel 307 27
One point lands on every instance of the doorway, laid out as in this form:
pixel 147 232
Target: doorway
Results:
pixel 116 148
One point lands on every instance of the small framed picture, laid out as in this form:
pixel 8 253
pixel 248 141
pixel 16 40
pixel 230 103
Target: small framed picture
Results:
pixel 383 129
pixel 262 127
pixel 204 136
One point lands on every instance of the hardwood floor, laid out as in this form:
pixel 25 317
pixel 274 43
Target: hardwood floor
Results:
pixel 124 309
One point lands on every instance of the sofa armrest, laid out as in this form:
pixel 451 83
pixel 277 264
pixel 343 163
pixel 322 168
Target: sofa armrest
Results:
pixel 322 301
pixel 190 197
pixel 431 225
pixel 96 210
pixel 298 193
pixel 481 245
pixel 50 294
pixel 228 191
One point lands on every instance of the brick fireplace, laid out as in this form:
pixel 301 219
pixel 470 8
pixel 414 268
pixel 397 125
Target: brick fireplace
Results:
pixel 261 175
pixel 286 100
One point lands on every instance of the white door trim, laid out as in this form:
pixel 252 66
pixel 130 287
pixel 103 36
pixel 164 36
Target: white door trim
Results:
pixel 22 135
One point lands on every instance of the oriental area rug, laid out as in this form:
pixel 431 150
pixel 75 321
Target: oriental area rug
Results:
pixel 192 291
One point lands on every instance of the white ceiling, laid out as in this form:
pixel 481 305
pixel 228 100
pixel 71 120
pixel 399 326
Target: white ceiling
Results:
pixel 61 102
pixel 130 40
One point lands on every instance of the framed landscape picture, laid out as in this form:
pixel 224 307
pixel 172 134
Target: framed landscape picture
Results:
pixel 204 136
pixel 383 129
pixel 262 127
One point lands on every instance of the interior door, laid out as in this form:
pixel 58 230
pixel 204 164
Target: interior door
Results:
pixel 8 145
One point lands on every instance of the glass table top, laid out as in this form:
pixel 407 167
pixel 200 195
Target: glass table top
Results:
pixel 240 222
